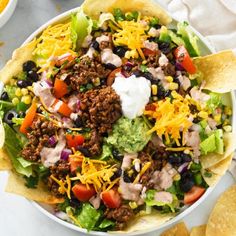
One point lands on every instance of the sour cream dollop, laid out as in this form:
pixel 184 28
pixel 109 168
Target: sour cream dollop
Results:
pixel 134 93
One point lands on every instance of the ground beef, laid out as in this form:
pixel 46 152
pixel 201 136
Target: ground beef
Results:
pixel 59 171
pixel 86 71
pixel 100 108
pixel 153 61
pixel 169 69
pixel 93 144
pixel 121 215
pixel 38 136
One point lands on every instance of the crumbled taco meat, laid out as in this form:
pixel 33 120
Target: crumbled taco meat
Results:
pixel 121 215
pixel 100 108
pixel 38 137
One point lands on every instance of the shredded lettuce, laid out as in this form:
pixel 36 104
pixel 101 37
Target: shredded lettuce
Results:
pixel 105 224
pixel 149 200
pixel 13 146
pixel 10 91
pixel 89 216
pixel 106 152
pixel 214 101
pixel 17 121
pixel 81 26
pixel 105 17
pixel 189 38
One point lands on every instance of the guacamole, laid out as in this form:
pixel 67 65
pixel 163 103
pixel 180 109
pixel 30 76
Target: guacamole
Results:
pixel 129 135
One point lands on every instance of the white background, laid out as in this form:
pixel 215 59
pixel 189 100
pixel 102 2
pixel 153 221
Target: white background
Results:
pixel 17 216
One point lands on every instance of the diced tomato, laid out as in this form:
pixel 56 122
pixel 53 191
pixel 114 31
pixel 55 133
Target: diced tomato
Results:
pixel 28 120
pixel 148 52
pixel 63 108
pixel 150 107
pixel 183 58
pixel 82 193
pixel 64 60
pixel 60 88
pixel 74 164
pixel 74 140
pixel 111 198
pixel 193 195
pixel 112 75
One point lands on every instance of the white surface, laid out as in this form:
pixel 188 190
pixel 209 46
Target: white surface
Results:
pixel 17 216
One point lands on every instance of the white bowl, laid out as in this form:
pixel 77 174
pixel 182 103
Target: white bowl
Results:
pixel 47 210
pixel 7 12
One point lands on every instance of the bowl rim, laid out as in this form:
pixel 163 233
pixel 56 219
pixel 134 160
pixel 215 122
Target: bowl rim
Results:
pixel 7 12
pixel 173 220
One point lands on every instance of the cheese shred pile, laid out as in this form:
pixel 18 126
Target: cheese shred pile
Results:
pixel 96 173
pixel 54 41
pixel 132 34
pixel 171 117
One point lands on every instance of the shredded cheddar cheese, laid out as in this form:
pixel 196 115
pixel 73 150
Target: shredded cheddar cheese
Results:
pixel 64 185
pixel 132 34
pixel 171 117
pixel 96 173
pixel 3 4
pixel 143 170
pixel 54 41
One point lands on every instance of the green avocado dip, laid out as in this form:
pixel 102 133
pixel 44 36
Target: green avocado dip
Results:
pixel 129 135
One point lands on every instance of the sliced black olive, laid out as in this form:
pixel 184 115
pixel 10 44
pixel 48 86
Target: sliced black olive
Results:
pixel 4 96
pixel 22 83
pixel 28 66
pixel 84 151
pixel 120 51
pixel 9 116
pixel 95 45
pixel 33 75
pixel 118 156
pixel 79 122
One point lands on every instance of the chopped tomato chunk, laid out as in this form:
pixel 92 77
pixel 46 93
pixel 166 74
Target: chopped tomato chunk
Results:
pixel 82 193
pixel 74 140
pixel 193 195
pixel 60 88
pixel 111 198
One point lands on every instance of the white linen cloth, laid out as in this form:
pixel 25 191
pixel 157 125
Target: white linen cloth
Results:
pixel 214 19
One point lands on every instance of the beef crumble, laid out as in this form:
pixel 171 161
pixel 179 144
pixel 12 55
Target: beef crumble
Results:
pixel 38 137
pixel 100 108
pixel 121 215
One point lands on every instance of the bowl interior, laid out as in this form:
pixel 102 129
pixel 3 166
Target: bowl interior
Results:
pixel 48 210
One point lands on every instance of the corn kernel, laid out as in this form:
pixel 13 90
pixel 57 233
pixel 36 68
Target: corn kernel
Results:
pixel 169 79
pixel 154 89
pixel 173 86
pixel 24 91
pixel 18 92
pixel 133 205
pixel 227 128
pixel 30 88
pixel 119 190
pixel 228 111
pixel 203 114
pixel 15 101
pixel 154 98
pixel 217 118
pixel 97 82
pixel 133 53
pixel 26 99
pixel 177 177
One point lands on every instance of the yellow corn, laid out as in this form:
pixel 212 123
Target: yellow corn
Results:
pixel 154 98
pixel 133 53
pixel 154 89
pixel 133 205
pixel 26 99
pixel 18 92
pixel 177 177
pixel 173 86
pixel 203 114
pixel 228 111
pixel 227 128
pixel 217 118
pixel 15 101
pixel 24 91
pixel 169 79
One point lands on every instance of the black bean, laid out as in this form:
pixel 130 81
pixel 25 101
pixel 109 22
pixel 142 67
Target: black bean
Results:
pixel 116 174
pixel 110 66
pixel 174 159
pixel 84 151
pixel 22 83
pixel 186 157
pixel 164 47
pixel 33 75
pixel 95 45
pixel 9 116
pixel 79 122
pixel 118 156
pixel 28 66
pixel 120 51
pixel 186 185
pixel 4 96
pixel 148 76
pixel 126 177
pixel 74 202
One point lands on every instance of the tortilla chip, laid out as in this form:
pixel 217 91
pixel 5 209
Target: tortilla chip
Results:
pixel 5 163
pixel 16 185
pixel 179 229
pixel 14 66
pixel 222 220
pixel 198 231
pixel 93 8
pixel 218 71
pixel 212 179
pixel 221 167
pixel 212 159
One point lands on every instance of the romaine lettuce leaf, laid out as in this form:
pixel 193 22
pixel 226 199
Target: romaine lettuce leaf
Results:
pixel 214 101
pixel 189 38
pixel 105 224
